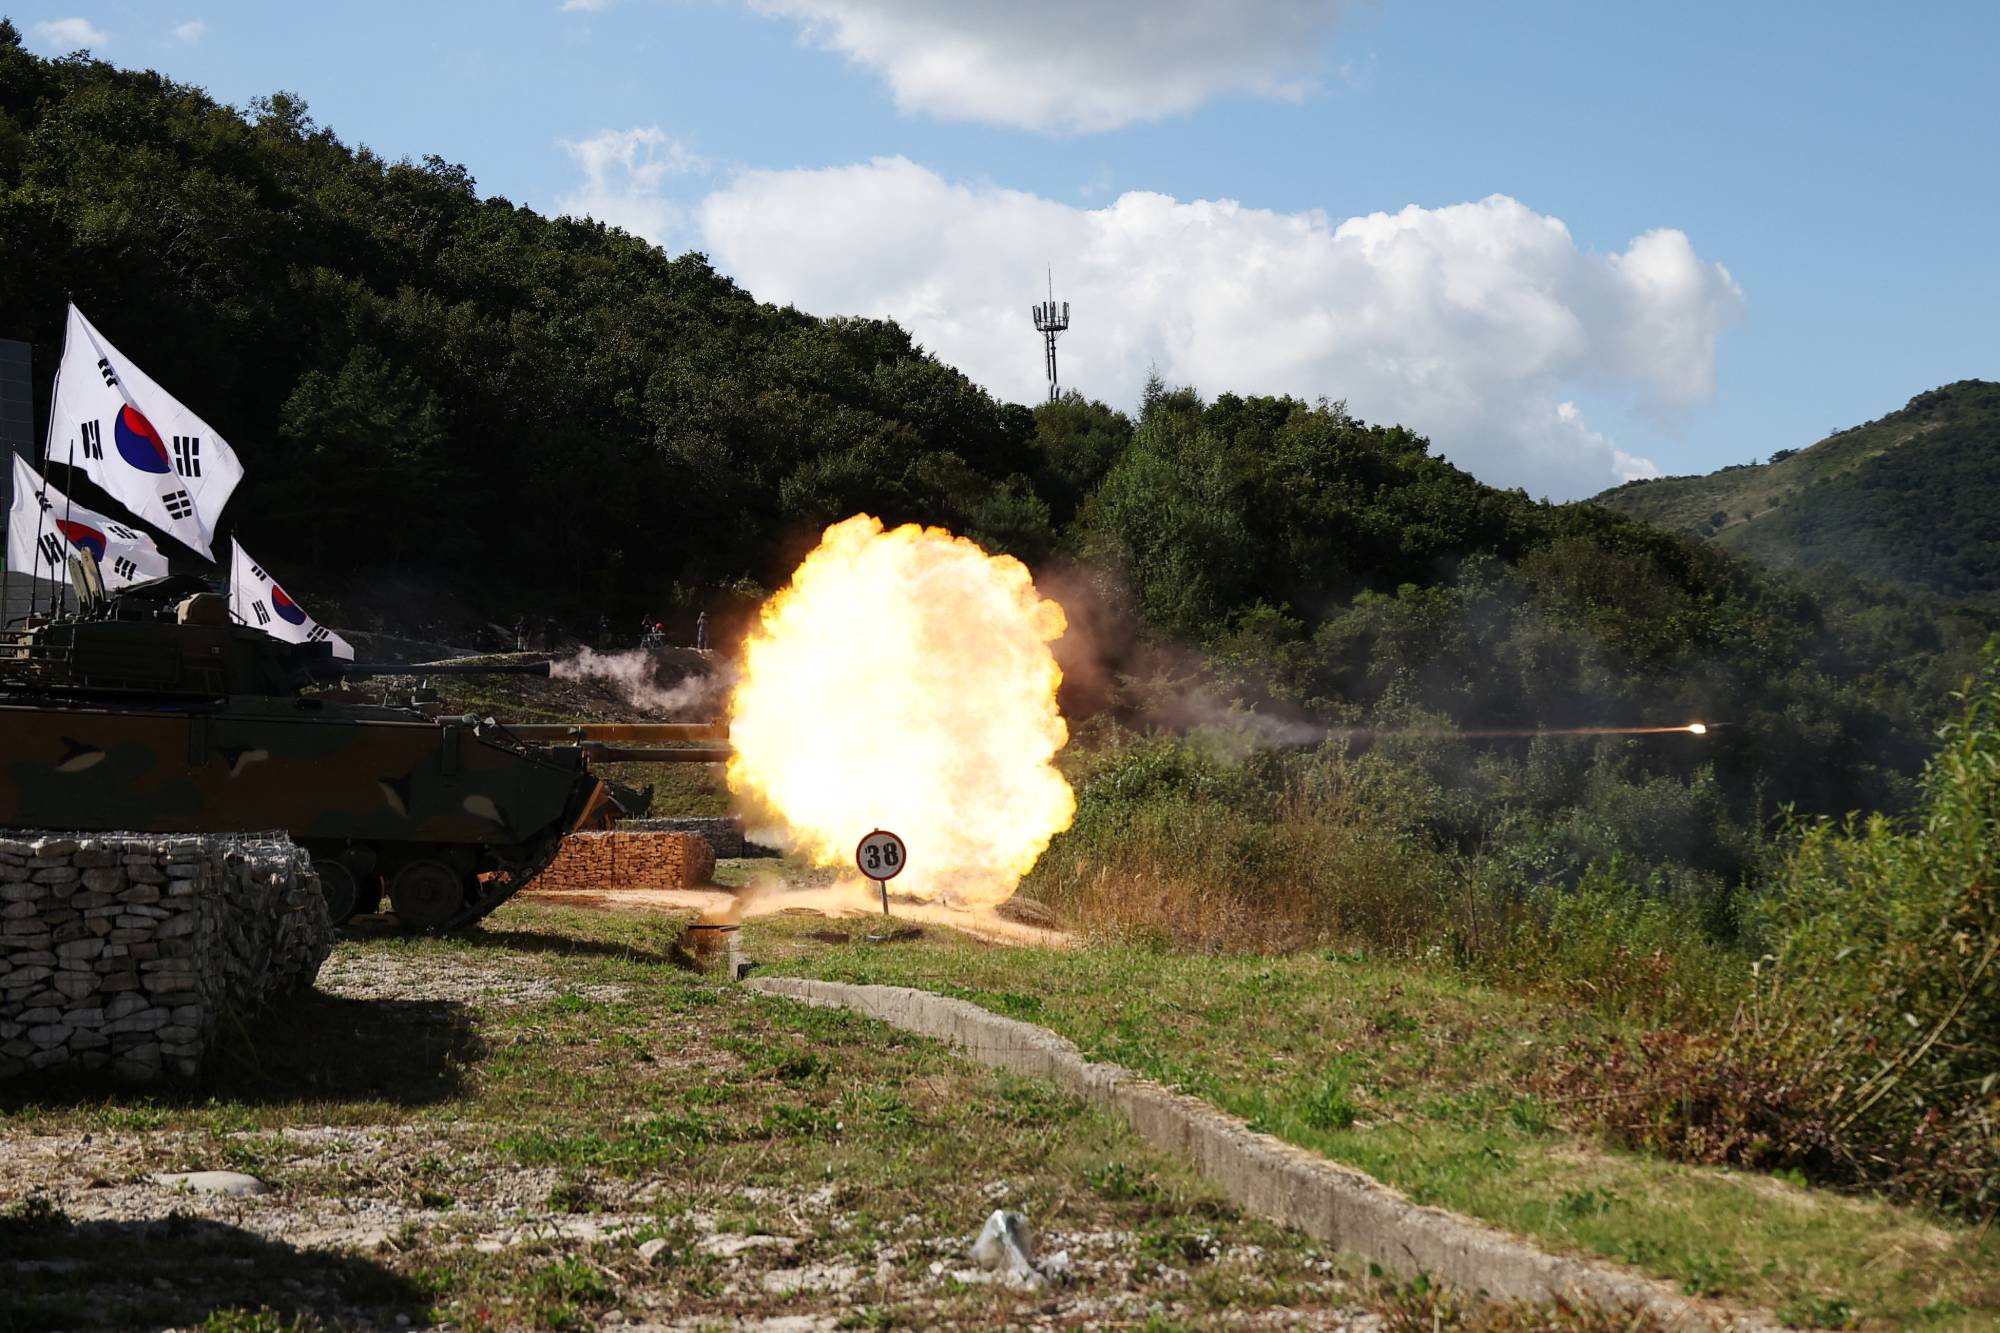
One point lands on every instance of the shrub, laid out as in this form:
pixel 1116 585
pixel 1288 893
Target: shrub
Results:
pixel 1174 848
pixel 1868 1049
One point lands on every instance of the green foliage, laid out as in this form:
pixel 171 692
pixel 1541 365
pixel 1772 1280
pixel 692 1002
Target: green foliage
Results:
pixel 261 1320
pixel 1920 515
pixel 1173 845
pixel 32 1217
pixel 413 372
pixel 1341 569
pixel 1884 987
pixel 1329 1107
pixel 1624 950
pixel 1906 498
pixel 1869 1047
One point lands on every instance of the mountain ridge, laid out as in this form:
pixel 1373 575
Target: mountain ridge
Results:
pixel 1904 498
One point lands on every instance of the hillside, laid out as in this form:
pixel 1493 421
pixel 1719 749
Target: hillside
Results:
pixel 1908 498
pixel 1335 710
pixel 454 411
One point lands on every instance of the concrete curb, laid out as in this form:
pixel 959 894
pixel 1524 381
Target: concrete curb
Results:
pixel 1338 1205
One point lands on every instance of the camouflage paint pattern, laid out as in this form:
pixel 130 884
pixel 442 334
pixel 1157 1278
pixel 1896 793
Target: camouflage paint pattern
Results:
pixel 147 710
pixel 318 777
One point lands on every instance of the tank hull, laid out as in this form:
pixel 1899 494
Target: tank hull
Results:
pixel 148 709
pixel 451 819
pixel 214 772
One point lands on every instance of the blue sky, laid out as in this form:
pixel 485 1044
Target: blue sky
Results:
pixel 1819 180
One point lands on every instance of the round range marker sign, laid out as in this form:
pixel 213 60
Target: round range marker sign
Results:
pixel 881 855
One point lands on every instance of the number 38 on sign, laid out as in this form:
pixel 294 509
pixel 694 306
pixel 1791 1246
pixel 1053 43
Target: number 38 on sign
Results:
pixel 881 856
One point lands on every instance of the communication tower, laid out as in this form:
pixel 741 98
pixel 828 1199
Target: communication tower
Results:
pixel 1050 321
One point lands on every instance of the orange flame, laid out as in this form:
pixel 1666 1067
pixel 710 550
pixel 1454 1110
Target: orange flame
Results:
pixel 903 680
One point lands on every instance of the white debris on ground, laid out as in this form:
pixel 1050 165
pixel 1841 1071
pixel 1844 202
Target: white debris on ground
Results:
pixel 1004 1247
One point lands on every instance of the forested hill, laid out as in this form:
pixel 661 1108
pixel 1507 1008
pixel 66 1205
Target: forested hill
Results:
pixel 443 392
pixel 415 375
pixel 1912 498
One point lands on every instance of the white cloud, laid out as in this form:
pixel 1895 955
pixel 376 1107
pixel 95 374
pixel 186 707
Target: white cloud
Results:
pixel 190 31
pixel 1067 65
pixel 1473 323
pixel 585 6
pixel 624 175
pixel 69 34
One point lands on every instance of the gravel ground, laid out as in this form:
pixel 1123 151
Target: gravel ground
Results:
pixel 356 1214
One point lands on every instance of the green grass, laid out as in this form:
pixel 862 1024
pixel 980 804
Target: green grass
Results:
pixel 679 790
pixel 629 1087
pixel 624 1088
pixel 1434 1084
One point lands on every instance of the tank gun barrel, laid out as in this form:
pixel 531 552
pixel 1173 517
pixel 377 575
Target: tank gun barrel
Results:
pixel 600 753
pixel 652 733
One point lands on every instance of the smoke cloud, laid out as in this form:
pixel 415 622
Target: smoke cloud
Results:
pixel 635 674
pixel 1111 663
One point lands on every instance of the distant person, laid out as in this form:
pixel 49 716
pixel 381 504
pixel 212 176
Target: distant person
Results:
pixel 521 635
pixel 548 634
pixel 603 631
pixel 701 632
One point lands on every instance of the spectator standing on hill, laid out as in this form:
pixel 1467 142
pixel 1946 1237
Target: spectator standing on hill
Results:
pixel 701 632
pixel 548 634
pixel 521 634
pixel 603 630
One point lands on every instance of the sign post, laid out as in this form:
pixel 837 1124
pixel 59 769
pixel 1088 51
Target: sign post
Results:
pixel 881 856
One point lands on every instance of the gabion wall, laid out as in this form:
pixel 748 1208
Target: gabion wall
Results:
pixel 122 953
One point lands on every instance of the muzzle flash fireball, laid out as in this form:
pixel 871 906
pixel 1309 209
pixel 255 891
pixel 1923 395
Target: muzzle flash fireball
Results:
pixel 903 680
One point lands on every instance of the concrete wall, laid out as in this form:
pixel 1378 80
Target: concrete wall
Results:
pixel 1337 1204
pixel 607 862
pixel 123 953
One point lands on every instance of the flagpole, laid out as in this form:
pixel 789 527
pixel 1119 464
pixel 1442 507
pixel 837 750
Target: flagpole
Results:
pixel 42 508
pixel 69 506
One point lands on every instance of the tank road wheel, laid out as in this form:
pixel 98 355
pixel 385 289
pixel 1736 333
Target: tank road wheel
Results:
pixel 426 893
pixel 342 889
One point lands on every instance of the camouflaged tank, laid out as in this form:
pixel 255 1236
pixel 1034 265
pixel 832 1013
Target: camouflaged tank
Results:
pixel 149 710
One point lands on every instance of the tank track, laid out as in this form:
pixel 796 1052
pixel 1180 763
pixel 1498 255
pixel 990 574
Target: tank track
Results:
pixel 476 909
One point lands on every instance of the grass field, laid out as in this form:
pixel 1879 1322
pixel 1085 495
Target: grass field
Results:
pixel 489 1132
pixel 548 1124
pixel 1440 1087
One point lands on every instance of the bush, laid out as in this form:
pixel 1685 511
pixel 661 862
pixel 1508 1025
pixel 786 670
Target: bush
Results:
pixel 1622 949
pixel 1868 1050
pixel 1173 847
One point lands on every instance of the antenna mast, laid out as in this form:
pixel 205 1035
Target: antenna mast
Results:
pixel 1050 321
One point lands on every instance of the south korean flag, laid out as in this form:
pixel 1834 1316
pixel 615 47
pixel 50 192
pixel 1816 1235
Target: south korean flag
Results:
pixel 260 603
pixel 44 529
pixel 134 439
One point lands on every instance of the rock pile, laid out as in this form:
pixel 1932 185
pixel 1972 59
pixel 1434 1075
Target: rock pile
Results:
pixel 607 862
pixel 123 952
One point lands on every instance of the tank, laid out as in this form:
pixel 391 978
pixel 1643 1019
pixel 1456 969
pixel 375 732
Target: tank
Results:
pixel 149 710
